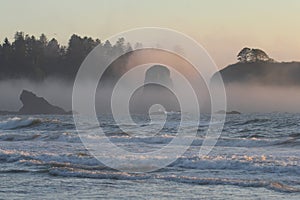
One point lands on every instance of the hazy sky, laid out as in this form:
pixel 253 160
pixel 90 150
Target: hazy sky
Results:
pixel 222 27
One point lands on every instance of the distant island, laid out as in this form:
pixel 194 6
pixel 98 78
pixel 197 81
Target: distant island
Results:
pixel 254 66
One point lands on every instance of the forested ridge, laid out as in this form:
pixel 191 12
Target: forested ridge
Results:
pixel 38 58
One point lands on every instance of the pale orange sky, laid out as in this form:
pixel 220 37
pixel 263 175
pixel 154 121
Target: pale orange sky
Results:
pixel 222 27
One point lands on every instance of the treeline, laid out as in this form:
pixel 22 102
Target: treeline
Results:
pixel 38 58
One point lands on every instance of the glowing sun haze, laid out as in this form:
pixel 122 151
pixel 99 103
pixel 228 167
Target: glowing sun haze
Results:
pixel 222 27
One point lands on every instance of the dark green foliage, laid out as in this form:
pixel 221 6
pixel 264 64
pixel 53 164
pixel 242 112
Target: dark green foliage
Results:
pixel 36 59
pixel 247 55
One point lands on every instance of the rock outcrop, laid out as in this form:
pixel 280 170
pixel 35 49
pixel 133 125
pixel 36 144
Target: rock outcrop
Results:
pixel 255 67
pixel 260 73
pixel 33 104
pixel 158 74
pixel 233 112
pixel 155 91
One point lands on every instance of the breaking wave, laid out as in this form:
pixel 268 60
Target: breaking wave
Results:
pixel 18 122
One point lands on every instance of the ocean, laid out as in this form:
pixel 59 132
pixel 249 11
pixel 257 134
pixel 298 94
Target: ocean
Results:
pixel 256 157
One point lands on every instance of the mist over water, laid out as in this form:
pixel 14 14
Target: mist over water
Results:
pixel 263 98
pixel 241 97
pixel 251 96
pixel 56 91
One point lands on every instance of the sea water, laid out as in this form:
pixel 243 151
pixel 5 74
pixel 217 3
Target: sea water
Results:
pixel 256 157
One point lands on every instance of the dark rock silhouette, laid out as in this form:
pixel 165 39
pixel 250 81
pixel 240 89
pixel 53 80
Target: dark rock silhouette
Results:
pixel 33 104
pixel 255 67
pixel 158 74
pixel 233 112
pixel 276 74
pixel 154 93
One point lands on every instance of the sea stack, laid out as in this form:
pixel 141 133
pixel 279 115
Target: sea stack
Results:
pixel 156 90
pixel 33 104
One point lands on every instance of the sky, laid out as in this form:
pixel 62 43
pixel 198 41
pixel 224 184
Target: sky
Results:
pixel 223 28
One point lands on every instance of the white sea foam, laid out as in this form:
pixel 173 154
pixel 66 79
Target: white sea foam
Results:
pixel 18 122
pixel 246 154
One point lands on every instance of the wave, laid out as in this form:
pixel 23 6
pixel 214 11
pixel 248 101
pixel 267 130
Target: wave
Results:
pixel 68 137
pixel 83 165
pixel 257 163
pixel 198 141
pixel 253 121
pixel 44 133
pixel 37 124
pixel 83 160
pixel 290 142
pixel 96 174
pixel 271 185
pixel 17 122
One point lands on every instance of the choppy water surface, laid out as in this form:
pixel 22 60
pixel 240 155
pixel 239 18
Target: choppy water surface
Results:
pixel 257 156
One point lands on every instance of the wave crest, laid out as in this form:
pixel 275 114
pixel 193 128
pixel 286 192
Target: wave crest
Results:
pixel 18 122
